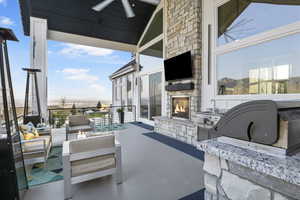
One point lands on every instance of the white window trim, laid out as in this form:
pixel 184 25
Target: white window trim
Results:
pixel 209 92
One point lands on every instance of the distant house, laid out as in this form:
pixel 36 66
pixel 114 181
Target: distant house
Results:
pixel 124 89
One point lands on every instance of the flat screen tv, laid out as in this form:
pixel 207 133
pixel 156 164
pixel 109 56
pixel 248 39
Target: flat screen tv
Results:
pixel 179 67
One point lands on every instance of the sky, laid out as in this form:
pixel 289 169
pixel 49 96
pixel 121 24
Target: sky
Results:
pixel 74 71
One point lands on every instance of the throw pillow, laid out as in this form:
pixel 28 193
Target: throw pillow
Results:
pixel 36 133
pixel 29 136
pixel 23 128
pixel 30 126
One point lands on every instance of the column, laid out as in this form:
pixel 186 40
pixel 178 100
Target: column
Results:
pixel 39 60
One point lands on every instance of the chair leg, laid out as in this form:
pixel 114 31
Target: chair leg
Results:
pixel 67 178
pixel 67 190
pixel 119 177
pixel 28 168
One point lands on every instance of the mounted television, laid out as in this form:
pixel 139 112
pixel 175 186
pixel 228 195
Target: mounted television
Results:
pixel 179 67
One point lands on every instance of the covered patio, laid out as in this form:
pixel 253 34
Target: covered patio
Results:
pixel 166 173
pixel 248 158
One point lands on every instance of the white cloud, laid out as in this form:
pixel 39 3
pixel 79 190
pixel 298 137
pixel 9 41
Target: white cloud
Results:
pixel 79 74
pixel 75 70
pixel 83 77
pixel 112 60
pixel 97 87
pixel 80 50
pixel 3 2
pixel 6 21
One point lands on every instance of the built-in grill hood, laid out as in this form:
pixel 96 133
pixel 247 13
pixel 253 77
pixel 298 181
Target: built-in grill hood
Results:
pixel 265 122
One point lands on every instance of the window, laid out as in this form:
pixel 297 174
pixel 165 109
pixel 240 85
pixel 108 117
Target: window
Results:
pixel 268 68
pixel 238 19
pixel 124 90
pixel 116 90
pixel 155 94
pixel 151 95
pixel 247 62
pixel 144 97
pixel 119 90
pixel 129 91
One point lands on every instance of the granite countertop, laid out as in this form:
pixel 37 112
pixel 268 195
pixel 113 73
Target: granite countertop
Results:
pixel 286 168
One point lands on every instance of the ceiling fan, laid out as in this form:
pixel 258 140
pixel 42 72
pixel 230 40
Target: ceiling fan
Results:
pixel 127 7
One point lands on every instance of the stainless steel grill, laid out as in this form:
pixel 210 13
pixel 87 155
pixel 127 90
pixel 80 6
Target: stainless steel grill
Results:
pixel 265 122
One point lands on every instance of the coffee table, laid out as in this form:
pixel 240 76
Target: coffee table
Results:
pixel 81 136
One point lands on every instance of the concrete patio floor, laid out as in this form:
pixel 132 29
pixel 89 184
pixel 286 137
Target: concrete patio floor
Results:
pixel 151 171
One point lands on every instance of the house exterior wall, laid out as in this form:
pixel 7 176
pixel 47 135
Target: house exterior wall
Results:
pixel 129 115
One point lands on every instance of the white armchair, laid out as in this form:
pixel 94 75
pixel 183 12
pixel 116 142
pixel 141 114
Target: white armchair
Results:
pixel 36 150
pixel 77 123
pixel 90 158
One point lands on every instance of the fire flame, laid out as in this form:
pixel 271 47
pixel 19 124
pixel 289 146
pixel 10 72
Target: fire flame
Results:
pixel 179 109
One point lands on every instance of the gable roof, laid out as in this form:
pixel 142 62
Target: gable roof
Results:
pixel 128 68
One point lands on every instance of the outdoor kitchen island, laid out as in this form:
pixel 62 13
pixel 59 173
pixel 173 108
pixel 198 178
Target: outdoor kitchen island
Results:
pixel 247 171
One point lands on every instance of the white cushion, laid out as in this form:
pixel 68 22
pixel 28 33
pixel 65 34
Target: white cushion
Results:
pixel 92 144
pixel 90 165
pixel 78 128
pixel 37 145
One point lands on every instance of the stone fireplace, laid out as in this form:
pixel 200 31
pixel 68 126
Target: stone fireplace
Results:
pixel 181 107
pixel 183 33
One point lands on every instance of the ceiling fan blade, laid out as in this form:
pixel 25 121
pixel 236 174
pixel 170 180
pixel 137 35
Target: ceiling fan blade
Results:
pixel 128 10
pixel 102 5
pixel 153 2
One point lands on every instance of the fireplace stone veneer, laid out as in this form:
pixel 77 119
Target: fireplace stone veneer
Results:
pixel 183 130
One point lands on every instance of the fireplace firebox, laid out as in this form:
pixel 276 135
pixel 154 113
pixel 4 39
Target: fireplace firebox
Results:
pixel 181 107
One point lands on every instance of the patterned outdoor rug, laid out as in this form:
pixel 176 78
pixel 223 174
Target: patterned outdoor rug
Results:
pixel 52 172
pixel 176 144
pixel 142 125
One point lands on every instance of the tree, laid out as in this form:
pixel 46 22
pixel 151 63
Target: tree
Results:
pixel 63 101
pixel 99 105
pixel 73 110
